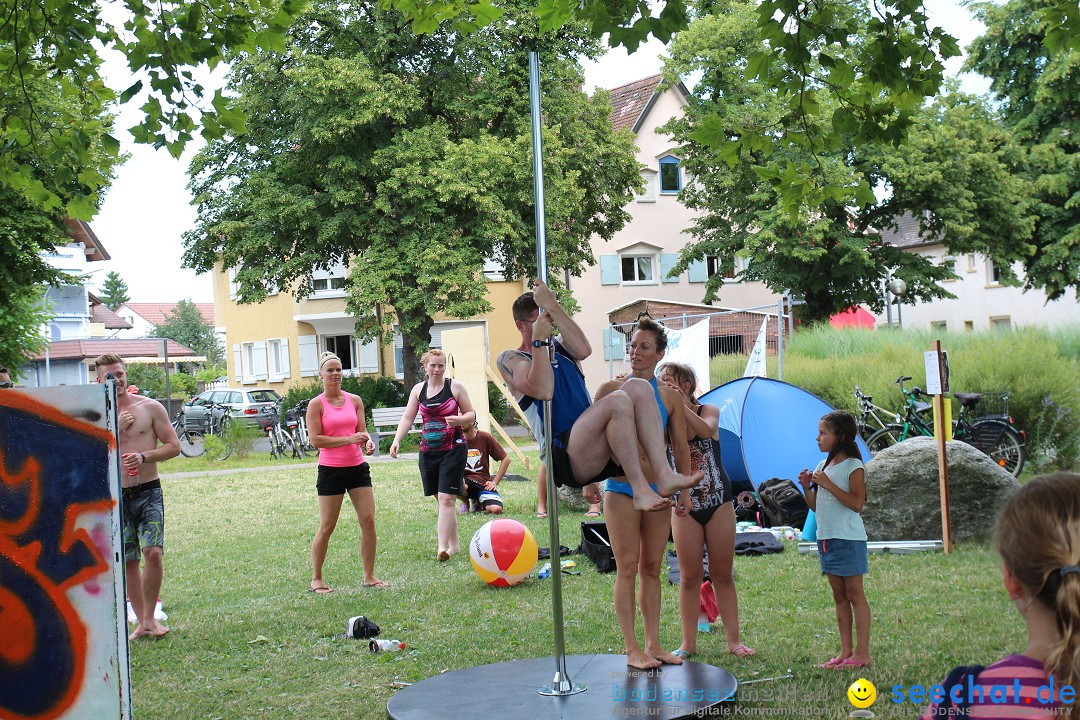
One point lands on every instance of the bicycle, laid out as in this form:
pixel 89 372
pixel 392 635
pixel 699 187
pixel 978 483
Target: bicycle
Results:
pixel 298 414
pixel 868 412
pixel 217 424
pixel 282 438
pixel 188 445
pixel 992 433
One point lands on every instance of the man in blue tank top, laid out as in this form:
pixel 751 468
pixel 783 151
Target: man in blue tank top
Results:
pixel 589 442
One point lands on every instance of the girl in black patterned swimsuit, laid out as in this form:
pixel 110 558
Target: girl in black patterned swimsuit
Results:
pixel 709 524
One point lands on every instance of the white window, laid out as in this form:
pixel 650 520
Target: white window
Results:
pixel 951 263
pixel 1000 324
pixel 329 282
pixel 253 362
pixel 993 273
pixel 277 350
pixel 971 262
pixel 494 270
pixel 651 180
pixel 714 266
pixel 638 269
pixel 939 325
pixel 969 325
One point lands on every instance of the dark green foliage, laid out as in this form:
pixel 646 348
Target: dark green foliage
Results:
pixel 150 379
pixel 409 158
pixel 187 326
pixel 114 291
pixel 374 391
pixel 497 405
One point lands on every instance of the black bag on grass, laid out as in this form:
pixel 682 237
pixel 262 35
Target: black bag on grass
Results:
pixel 596 546
pixel 783 502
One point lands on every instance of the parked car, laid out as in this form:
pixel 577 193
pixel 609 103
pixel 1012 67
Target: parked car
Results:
pixel 247 405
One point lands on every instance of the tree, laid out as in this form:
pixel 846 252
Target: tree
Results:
pixel 114 291
pixel 54 44
pixel 1036 78
pixel 408 157
pixel 187 326
pixel 952 170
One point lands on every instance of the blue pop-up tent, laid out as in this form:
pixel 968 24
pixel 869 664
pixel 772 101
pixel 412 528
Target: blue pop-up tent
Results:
pixel 768 429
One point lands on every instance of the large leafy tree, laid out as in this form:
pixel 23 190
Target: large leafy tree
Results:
pixel 187 326
pixel 952 170
pixel 48 153
pixel 1038 85
pixel 114 291
pixel 408 157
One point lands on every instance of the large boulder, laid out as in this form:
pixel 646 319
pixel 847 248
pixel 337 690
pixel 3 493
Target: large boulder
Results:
pixel 904 497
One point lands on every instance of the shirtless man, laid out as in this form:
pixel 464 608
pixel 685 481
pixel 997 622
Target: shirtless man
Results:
pixel 141 424
pixel 589 442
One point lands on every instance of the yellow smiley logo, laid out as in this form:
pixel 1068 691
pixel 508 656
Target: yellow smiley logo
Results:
pixel 862 693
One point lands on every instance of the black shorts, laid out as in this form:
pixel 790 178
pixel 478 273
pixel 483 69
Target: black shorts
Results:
pixel 339 480
pixel 564 469
pixel 443 471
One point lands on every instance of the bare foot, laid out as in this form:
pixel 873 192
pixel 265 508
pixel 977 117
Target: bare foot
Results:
pixel 740 650
pixel 670 482
pixel 374 582
pixel 155 629
pixel 650 501
pixel 641 660
pixel 591 494
pixel 665 657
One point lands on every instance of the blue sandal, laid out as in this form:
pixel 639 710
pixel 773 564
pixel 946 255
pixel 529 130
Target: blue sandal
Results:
pixel 680 653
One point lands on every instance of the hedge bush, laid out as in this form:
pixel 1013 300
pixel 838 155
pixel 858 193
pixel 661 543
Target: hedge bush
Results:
pixel 1039 369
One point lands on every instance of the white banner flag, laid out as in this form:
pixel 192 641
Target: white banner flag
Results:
pixel 690 346
pixel 756 365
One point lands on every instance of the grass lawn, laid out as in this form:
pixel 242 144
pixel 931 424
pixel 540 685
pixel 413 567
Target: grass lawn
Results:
pixel 249 641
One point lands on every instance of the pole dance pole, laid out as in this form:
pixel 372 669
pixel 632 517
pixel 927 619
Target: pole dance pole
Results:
pixel 561 684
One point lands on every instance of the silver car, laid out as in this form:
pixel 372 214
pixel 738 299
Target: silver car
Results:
pixel 242 404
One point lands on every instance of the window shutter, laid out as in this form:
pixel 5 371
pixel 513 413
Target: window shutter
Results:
pixel 237 370
pixel 367 356
pixel 668 261
pixel 258 361
pixel 285 371
pixel 308 346
pixel 610 270
pixel 697 272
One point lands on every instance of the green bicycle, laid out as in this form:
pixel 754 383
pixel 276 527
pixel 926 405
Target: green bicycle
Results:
pixel 991 431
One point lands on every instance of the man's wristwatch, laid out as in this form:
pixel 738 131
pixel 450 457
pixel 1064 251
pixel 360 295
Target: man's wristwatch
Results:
pixel 541 343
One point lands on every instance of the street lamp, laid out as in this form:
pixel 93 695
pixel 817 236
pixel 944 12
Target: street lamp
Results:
pixel 896 288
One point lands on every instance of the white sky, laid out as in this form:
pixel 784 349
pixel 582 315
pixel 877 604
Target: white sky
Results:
pixel 148 208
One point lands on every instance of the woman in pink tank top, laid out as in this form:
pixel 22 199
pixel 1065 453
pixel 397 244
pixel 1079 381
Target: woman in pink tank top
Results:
pixel 338 428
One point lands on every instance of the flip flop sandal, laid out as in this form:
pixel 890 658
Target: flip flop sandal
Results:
pixel 743 651
pixel 831 663
pixel 680 653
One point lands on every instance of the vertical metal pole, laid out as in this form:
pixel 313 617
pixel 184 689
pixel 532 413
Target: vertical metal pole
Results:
pixel 888 300
pixel 561 684
pixel 780 339
pixel 168 387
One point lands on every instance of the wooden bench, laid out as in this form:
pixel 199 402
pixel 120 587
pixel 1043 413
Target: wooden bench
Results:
pixel 388 417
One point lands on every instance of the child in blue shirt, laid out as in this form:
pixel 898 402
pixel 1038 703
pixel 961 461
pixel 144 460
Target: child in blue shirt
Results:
pixel 836 492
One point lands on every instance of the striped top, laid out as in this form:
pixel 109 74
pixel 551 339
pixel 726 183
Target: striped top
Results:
pixel 1016 687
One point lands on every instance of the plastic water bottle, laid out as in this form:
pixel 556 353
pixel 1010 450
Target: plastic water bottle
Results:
pixel 377 645
pixel 545 571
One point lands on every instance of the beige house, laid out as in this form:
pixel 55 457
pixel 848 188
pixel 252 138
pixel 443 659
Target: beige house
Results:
pixel 277 342
pixel 634 265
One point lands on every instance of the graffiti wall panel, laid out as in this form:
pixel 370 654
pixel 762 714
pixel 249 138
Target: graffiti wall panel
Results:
pixel 63 644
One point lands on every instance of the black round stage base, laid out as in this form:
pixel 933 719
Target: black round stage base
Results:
pixel 614 690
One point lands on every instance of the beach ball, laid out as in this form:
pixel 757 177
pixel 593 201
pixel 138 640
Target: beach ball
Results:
pixel 503 552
